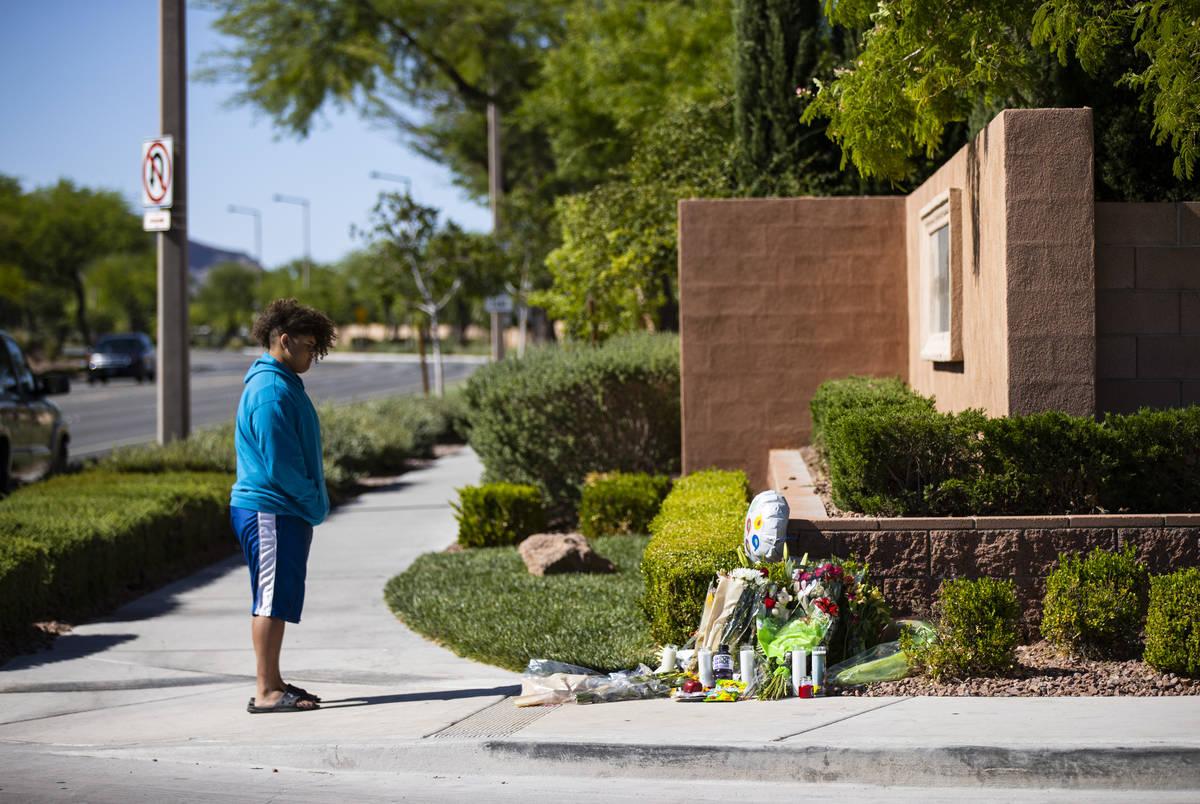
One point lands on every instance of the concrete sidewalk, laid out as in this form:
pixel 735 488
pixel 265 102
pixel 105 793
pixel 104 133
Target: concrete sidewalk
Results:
pixel 166 679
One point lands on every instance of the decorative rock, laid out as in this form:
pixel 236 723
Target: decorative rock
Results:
pixel 554 553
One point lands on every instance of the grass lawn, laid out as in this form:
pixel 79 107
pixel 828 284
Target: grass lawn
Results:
pixel 484 605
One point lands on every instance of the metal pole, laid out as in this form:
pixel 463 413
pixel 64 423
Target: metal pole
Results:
pixel 173 389
pixel 257 213
pixel 295 199
pixel 405 180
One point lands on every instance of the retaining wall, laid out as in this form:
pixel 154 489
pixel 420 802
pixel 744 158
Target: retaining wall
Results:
pixel 911 556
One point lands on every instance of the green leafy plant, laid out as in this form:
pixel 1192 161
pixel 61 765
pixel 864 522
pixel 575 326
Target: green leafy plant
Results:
pixel 976 630
pixel 1173 622
pixel 550 418
pixel 71 545
pixel 696 534
pixel 620 502
pixel 834 398
pixel 1095 605
pixel 496 514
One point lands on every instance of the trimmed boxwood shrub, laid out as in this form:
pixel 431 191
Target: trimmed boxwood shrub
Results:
pixel 73 544
pixel 1173 623
pixel 1155 461
pixel 834 398
pixel 696 534
pixel 890 457
pixel 1095 605
pixel 498 514
pixel 619 502
pixel 976 630
pixel 550 418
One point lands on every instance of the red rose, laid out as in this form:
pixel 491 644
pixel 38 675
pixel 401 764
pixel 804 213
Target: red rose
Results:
pixel 768 602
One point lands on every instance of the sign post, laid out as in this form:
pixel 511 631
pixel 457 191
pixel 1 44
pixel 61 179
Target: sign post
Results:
pixel 499 306
pixel 164 190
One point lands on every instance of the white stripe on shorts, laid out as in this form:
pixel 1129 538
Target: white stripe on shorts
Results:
pixel 267 550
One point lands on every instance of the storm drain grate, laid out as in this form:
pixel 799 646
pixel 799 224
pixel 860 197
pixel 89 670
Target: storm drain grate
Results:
pixel 501 719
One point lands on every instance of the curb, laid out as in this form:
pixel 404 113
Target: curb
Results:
pixel 1162 768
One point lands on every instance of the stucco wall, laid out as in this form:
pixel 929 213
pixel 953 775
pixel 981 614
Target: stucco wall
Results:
pixel 1028 298
pixel 776 296
pixel 1147 306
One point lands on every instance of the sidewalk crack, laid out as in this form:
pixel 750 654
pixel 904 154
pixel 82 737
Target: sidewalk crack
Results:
pixel 841 719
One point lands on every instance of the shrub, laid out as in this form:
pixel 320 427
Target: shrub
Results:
pixel 696 534
pixel 901 460
pixel 1173 623
pixel 976 630
pixel 891 457
pixel 618 502
pixel 1095 605
pixel 498 514
pixel 208 450
pixel 1155 461
pixel 550 418
pixel 74 543
pixel 834 398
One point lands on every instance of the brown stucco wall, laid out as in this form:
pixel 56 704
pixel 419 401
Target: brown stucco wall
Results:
pixel 1028 297
pixel 776 296
pixel 1147 306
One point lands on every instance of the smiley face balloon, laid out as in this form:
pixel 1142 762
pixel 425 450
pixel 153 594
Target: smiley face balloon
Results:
pixel 766 526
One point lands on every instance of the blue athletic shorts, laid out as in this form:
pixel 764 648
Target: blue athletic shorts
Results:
pixel 276 549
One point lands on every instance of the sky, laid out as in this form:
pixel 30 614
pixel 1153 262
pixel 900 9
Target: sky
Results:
pixel 79 92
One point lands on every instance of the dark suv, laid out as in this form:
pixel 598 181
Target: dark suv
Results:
pixel 128 355
pixel 33 436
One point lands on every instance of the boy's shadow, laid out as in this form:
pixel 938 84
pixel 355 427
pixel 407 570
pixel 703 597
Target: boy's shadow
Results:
pixel 408 697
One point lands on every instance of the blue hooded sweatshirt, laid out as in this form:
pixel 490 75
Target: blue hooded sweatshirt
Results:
pixel 278 441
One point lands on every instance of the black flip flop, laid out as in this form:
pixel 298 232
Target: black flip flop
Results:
pixel 303 693
pixel 288 702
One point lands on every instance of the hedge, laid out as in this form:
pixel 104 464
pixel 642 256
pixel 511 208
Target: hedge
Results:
pixel 620 502
pixel 74 544
pixel 696 534
pixel 834 398
pixel 890 457
pixel 550 418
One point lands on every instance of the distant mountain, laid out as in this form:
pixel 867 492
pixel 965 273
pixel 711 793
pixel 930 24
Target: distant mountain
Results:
pixel 202 257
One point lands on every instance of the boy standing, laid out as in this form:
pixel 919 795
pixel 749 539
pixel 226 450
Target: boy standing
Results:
pixel 280 490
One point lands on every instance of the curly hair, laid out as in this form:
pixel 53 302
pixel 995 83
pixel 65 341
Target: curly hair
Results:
pixel 294 318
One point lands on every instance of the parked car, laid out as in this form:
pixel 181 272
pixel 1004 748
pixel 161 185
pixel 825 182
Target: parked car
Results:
pixel 33 436
pixel 128 355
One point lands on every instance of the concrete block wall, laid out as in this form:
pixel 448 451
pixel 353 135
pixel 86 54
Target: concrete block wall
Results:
pixel 1147 306
pixel 777 295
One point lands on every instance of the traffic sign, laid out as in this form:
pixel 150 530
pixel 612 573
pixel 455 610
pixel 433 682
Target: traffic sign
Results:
pixel 156 220
pixel 158 172
pixel 498 304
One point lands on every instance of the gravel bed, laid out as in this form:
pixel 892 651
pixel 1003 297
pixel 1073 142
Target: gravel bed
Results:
pixel 1041 671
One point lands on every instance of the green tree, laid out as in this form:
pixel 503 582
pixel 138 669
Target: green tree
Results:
pixel 619 68
pixel 385 57
pixel 225 302
pixel 429 257
pixel 123 292
pixel 63 229
pixel 924 67
pixel 616 269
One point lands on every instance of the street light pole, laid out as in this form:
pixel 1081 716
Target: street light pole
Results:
pixel 295 199
pixel 257 229
pixel 405 180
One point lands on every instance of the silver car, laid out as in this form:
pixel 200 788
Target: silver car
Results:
pixel 33 436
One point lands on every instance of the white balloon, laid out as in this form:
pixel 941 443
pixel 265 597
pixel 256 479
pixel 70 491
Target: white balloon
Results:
pixel 766 526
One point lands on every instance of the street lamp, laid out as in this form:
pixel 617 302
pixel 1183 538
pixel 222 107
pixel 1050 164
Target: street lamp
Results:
pixel 295 199
pixel 405 180
pixel 257 213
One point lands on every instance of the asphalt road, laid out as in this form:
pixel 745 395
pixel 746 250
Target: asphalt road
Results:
pixel 122 412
